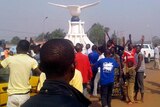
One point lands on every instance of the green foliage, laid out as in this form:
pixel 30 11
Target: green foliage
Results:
pixel 97 33
pixel 40 37
pixel 156 40
pixel 15 40
pixel 58 33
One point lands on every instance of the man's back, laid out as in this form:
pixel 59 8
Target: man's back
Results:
pixel 107 66
pixel 57 60
pixel 57 94
pixel 93 57
pixel 129 55
pixel 83 65
pixel 20 67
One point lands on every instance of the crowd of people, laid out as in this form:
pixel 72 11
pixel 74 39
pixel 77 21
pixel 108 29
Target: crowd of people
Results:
pixel 68 75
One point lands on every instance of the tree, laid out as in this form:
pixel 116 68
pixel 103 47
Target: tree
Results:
pixel 40 37
pixel 58 33
pixel 15 40
pixel 97 34
pixel 156 40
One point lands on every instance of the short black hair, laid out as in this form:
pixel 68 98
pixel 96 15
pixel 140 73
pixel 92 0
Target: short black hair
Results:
pixel 23 45
pixel 101 49
pixel 56 56
pixel 78 47
pixel 94 48
pixel 155 45
pixel 88 46
pixel 107 52
pixel 109 43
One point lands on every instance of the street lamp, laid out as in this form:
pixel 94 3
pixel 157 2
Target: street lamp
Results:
pixel 44 27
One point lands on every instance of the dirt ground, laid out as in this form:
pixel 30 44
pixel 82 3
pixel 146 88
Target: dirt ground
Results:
pixel 152 91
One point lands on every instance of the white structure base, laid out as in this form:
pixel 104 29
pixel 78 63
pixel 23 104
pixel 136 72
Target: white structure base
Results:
pixel 76 33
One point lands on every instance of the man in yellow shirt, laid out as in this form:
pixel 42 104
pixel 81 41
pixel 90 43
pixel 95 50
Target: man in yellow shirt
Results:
pixel 20 66
pixel 76 81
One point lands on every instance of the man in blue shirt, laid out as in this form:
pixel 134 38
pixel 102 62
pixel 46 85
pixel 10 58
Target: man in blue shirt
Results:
pixel 93 57
pixel 107 66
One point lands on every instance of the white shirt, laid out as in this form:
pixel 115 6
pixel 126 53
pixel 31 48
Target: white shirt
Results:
pixel 156 52
pixel 87 51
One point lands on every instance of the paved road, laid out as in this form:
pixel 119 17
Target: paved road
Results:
pixel 152 91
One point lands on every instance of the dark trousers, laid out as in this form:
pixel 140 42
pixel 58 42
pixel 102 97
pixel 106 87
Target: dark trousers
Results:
pixel 139 82
pixel 92 81
pixel 106 94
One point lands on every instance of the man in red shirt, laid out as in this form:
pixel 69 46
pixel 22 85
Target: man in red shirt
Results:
pixel 83 65
pixel 129 55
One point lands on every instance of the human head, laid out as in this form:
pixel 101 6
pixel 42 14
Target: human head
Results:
pixel 107 52
pixel 101 49
pixel 78 47
pixel 130 46
pixel 23 46
pixel 114 41
pixel 94 48
pixel 57 59
pixel 112 50
pixel 82 45
pixel 109 43
pixel 138 48
pixel 88 46
pixel 155 45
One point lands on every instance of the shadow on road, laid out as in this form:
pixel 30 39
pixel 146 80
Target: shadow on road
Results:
pixel 153 83
pixel 155 90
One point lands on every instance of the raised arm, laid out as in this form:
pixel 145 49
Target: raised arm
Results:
pixel 130 38
pixel 142 41
pixel 126 43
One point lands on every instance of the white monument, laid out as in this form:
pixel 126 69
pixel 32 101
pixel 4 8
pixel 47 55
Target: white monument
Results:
pixel 76 31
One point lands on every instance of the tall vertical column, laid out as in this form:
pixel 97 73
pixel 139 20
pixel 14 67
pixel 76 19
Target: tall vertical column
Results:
pixel 76 33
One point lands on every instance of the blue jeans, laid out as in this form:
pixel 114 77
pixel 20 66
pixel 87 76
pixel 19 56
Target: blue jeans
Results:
pixel 106 94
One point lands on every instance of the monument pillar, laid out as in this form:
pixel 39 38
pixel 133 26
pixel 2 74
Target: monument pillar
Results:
pixel 76 32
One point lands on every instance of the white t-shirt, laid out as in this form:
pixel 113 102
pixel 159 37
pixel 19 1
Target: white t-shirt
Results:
pixel 88 51
pixel 156 52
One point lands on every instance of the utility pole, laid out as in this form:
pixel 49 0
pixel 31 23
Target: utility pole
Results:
pixel 44 27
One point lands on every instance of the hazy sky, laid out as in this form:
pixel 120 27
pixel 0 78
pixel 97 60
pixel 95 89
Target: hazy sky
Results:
pixel 27 17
